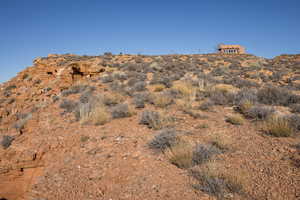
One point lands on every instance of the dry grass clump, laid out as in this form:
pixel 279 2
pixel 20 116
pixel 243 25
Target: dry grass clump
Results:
pixel 111 99
pixel 245 106
pixel 180 153
pixel 204 152
pixel 158 87
pixel 218 181
pixel 121 111
pixel 221 141
pixel 225 88
pixel 235 119
pixel 184 104
pixel 278 127
pixel 186 89
pixel 164 139
pixel 259 112
pixel 161 100
pixel 97 115
pixel 155 120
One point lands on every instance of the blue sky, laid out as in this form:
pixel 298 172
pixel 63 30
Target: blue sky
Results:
pixel 32 28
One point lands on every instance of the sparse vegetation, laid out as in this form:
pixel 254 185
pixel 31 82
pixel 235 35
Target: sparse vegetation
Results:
pixel 155 120
pixel 180 153
pixel 207 105
pixel 235 119
pixel 259 112
pixel 222 142
pixel 6 141
pixel 121 111
pixel 203 153
pixel 164 139
pixel 161 100
pixel 111 99
pixel 19 125
pixel 76 89
pixel 277 96
pixel 96 114
pixel 68 105
pixel 186 89
pixel 278 127
pixel 218 182
pixel 158 87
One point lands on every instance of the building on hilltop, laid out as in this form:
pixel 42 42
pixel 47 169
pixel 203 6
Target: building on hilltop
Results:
pixel 231 49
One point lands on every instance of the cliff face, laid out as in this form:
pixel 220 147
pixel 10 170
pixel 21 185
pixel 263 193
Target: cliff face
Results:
pixel 84 127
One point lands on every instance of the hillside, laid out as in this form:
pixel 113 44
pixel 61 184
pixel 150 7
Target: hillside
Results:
pixel 152 127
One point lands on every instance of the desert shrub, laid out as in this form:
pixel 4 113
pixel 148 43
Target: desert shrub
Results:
pixel 107 79
pixel 22 120
pixel 186 89
pixel 221 97
pixel 276 76
pixel 158 87
pixel 203 153
pixel 161 80
pixel 120 76
pixel 121 111
pixel 6 141
pixel 278 127
pixel 225 88
pixel 86 96
pixel 277 96
pixel 180 153
pixel 161 100
pixel 245 94
pixel 259 112
pixel 295 108
pixel 235 119
pixel 164 139
pixel 116 86
pixel 132 81
pixel 68 105
pixel 194 114
pixel 241 83
pixel 219 71
pixel 206 105
pixel 217 183
pixel 136 76
pixel 152 119
pixel 294 121
pixel 222 142
pixel 111 99
pixel 140 99
pixel 139 86
pixel 95 113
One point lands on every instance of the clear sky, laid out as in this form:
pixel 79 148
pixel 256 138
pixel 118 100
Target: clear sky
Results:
pixel 32 28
